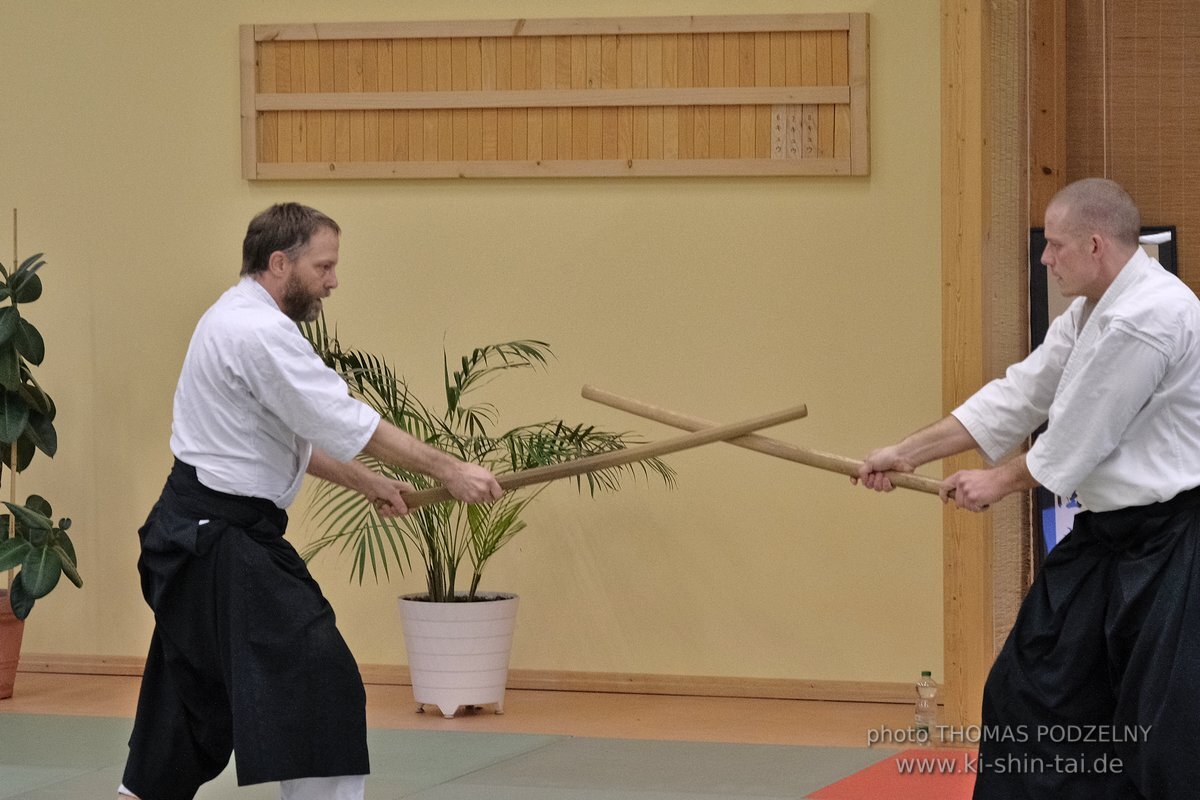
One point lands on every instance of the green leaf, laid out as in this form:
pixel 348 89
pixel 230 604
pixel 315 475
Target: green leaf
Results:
pixel 68 566
pixel 37 399
pixel 6 525
pixel 13 553
pixel 41 432
pixel 10 320
pixel 39 504
pixel 41 571
pixel 20 598
pixel 31 519
pixel 26 287
pixel 61 539
pixel 29 342
pixel 31 264
pixel 10 366
pixel 25 451
pixel 64 523
pixel 14 415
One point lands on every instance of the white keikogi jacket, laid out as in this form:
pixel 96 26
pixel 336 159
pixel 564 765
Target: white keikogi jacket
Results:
pixel 254 398
pixel 1118 382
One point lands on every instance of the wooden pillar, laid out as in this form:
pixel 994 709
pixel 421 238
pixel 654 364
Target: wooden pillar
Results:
pixel 984 316
pixel 1047 104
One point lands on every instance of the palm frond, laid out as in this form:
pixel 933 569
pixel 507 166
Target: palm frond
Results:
pixel 556 442
pixel 441 536
pixel 352 526
pixel 491 528
pixel 482 365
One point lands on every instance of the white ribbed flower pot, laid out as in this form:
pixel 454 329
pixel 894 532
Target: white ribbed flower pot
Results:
pixel 458 652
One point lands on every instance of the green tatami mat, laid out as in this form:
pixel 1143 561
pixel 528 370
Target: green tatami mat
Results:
pixel 81 758
pixel 602 769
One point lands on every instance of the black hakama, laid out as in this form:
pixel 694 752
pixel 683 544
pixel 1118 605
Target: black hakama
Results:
pixel 245 655
pixel 1096 693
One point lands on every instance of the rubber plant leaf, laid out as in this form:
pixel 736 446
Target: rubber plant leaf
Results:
pixel 10 366
pixel 41 431
pixel 13 553
pixel 29 342
pixel 35 502
pixel 25 452
pixel 37 399
pixel 20 598
pixel 32 520
pixel 60 539
pixel 41 571
pixel 31 264
pixel 14 415
pixel 10 320
pixel 26 287
pixel 68 567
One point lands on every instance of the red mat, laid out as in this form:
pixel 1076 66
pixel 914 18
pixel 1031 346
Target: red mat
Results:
pixel 943 774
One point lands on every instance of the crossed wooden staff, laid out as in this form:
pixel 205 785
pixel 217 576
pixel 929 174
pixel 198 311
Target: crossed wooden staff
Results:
pixel 703 432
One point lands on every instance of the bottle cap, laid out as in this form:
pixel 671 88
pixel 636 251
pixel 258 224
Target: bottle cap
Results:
pixel 926 673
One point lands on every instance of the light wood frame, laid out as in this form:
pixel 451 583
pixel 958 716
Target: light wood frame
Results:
pixel 722 95
pixel 985 210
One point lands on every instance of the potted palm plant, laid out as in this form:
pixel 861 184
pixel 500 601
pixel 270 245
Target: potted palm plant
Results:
pixel 35 551
pixel 457 636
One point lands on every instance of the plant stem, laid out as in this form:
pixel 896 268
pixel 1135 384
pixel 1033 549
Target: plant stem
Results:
pixel 12 491
pixel 12 483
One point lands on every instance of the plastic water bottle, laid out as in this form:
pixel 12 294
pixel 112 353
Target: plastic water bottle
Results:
pixel 926 709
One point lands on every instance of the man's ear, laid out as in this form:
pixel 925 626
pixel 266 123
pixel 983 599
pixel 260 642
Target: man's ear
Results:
pixel 277 263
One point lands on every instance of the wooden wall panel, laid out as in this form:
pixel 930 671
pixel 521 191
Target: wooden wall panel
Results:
pixel 1047 104
pixel 766 95
pixel 1133 109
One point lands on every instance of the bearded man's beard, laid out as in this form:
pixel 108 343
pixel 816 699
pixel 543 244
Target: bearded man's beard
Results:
pixel 298 303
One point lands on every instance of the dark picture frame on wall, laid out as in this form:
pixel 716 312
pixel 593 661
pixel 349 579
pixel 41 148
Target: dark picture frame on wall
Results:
pixel 1053 515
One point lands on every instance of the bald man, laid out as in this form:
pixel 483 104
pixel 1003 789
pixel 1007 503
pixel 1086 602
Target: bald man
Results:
pixel 1094 694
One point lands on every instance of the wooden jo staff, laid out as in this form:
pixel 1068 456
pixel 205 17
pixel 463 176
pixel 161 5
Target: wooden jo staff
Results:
pixel 761 444
pixel 617 458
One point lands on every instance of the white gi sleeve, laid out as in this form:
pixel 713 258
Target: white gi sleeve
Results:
pixel 289 379
pixel 1006 411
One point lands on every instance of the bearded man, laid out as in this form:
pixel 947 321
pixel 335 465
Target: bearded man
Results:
pixel 245 656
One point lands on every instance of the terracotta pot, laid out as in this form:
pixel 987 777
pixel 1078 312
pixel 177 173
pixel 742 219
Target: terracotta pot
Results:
pixel 458 652
pixel 11 631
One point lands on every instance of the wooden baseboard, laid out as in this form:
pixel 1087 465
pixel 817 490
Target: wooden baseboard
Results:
pixel 556 680
pixel 81 665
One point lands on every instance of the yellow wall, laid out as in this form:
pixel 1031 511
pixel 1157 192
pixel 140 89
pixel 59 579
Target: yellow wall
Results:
pixel 725 298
